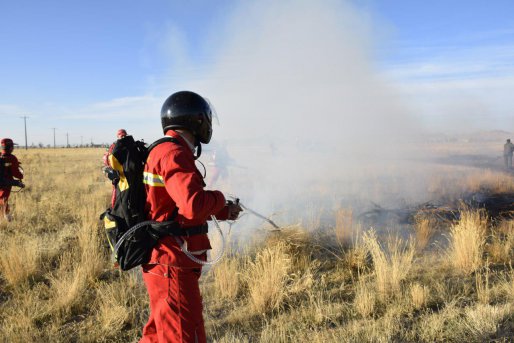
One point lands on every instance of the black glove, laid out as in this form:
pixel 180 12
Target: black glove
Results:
pixel 233 209
pixel 18 183
pixel 111 174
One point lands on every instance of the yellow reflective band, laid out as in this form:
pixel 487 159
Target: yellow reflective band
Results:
pixel 109 224
pixel 153 180
pixel 123 183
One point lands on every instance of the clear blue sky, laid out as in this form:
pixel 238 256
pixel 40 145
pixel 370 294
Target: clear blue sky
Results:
pixel 66 64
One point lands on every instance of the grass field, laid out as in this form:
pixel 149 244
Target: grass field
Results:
pixel 450 282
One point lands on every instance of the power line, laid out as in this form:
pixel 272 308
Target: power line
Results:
pixel 25 121
pixel 53 128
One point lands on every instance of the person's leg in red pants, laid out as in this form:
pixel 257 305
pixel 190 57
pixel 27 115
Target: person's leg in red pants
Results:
pixel 175 301
pixel 4 204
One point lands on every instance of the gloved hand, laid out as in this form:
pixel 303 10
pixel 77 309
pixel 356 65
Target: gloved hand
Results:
pixel 19 183
pixel 233 209
pixel 111 174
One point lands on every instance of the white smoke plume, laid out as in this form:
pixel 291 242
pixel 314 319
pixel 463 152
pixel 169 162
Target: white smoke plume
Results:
pixel 302 110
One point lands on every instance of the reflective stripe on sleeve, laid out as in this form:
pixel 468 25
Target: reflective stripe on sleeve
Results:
pixel 153 180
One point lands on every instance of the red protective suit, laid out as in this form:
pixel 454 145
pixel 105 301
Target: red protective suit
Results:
pixel 172 180
pixel 11 171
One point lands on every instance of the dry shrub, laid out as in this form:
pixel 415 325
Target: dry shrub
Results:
pixel 483 320
pixel 365 299
pixel 482 286
pixel 442 326
pixel 357 256
pixel 119 302
pixel 113 311
pixel 419 295
pixel 19 319
pixel 92 258
pixel 497 182
pixel 226 274
pixel 20 259
pixel 344 225
pixel 467 239
pixel 303 282
pixel 69 284
pixel 118 311
pixel 506 285
pixel 274 333
pixel 424 227
pixel 296 239
pixel 267 276
pixel 391 266
pixel 501 248
pixel 233 337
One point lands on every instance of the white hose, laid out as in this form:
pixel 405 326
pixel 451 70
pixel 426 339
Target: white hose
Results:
pixel 183 247
pixel 131 230
pixel 181 243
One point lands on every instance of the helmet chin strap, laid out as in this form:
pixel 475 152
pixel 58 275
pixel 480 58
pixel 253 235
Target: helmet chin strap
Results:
pixel 198 148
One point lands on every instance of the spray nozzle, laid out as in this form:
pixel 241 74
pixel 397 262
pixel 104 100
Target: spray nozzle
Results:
pixel 235 200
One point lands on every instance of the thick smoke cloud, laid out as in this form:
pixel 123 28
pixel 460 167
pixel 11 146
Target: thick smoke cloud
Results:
pixel 302 109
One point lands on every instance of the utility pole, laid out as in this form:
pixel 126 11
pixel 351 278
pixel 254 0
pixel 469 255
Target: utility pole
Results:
pixel 53 128
pixel 81 143
pixel 25 120
pixel 67 140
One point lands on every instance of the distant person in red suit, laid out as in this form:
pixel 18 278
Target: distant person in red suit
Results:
pixel 109 172
pixel 9 171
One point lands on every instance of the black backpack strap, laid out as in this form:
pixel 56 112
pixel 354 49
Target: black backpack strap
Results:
pixel 174 229
pixel 150 148
pixel 162 140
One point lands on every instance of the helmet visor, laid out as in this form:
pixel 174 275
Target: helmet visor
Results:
pixel 214 114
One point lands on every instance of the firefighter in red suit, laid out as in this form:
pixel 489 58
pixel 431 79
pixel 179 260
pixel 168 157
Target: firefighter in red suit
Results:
pixel 120 134
pixel 11 169
pixel 174 183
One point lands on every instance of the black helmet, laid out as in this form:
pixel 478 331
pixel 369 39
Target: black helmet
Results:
pixel 188 110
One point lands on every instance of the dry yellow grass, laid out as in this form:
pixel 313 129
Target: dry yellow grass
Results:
pixel 424 226
pixel 391 265
pixel 501 247
pixel 57 283
pixel 419 295
pixel 482 285
pixel 227 280
pixel 344 229
pixel 267 276
pixel 20 259
pixel 365 299
pixel 52 255
pixel 467 239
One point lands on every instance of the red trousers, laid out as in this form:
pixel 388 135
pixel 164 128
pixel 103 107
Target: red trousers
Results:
pixel 171 279
pixel 4 200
